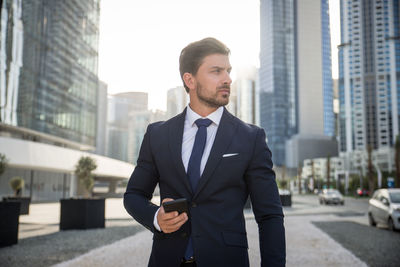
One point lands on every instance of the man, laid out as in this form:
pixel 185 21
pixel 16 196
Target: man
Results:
pixel 215 161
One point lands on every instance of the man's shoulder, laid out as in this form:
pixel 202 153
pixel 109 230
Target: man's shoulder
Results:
pixel 244 125
pixel 163 125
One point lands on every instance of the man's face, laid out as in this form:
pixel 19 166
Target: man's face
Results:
pixel 213 81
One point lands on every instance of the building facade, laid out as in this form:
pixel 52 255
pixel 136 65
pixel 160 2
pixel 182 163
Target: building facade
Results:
pixel 369 71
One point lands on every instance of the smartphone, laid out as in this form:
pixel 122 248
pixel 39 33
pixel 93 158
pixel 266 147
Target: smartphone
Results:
pixel 180 205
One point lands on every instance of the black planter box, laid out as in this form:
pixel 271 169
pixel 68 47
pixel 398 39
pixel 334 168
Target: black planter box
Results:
pixel 25 202
pixel 82 213
pixel 286 200
pixel 9 222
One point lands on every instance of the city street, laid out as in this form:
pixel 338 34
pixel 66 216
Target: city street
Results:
pixel 348 225
pixel 316 235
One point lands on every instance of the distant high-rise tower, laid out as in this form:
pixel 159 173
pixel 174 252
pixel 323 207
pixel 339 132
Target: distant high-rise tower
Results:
pixel 296 95
pixel 244 101
pixel 369 71
pixel 278 91
pixel 177 100
pixel 122 132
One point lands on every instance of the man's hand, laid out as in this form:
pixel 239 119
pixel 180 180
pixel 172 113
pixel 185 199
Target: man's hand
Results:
pixel 170 221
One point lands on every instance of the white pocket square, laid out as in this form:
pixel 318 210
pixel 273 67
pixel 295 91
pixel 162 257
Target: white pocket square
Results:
pixel 229 155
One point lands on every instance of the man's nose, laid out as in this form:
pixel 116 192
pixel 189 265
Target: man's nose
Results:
pixel 227 78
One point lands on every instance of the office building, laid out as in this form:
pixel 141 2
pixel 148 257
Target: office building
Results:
pixel 296 98
pixel 369 71
pixel 49 96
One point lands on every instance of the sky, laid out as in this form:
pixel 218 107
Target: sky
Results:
pixel 140 41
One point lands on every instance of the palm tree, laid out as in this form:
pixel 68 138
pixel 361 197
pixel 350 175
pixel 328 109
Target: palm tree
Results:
pixel 83 170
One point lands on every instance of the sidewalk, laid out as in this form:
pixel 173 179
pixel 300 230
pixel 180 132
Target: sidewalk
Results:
pixel 306 244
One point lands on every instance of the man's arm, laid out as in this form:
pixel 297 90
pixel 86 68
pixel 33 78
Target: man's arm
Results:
pixel 141 185
pixel 266 204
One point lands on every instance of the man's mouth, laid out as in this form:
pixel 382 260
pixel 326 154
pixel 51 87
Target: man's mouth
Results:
pixel 224 89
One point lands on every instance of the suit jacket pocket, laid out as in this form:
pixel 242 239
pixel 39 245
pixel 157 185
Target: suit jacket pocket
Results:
pixel 234 158
pixel 235 239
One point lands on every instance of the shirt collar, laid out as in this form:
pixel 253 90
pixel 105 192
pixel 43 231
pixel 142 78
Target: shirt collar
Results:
pixel 215 117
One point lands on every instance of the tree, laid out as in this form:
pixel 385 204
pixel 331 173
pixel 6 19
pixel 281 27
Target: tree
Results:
pixel 83 170
pixel 299 171
pixel 397 161
pixel 3 163
pixel 312 175
pixel 371 180
pixel 328 171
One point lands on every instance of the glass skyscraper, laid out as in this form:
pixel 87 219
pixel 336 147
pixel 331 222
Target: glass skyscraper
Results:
pixel 369 71
pixel 286 97
pixel 278 100
pixel 58 83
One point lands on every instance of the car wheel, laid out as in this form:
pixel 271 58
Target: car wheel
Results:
pixel 321 202
pixel 371 220
pixel 390 224
pixel 342 203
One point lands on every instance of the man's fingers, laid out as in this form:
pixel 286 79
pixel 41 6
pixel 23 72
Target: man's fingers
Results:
pixel 168 215
pixel 178 219
pixel 169 226
pixel 175 227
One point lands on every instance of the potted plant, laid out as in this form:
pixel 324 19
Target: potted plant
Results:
pixel 9 214
pixel 85 211
pixel 17 184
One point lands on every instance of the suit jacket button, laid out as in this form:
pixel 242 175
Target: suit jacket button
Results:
pixel 183 234
pixel 194 205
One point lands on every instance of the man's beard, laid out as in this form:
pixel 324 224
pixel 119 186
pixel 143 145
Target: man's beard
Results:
pixel 212 101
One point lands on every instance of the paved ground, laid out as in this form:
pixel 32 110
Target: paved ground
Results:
pixel 40 239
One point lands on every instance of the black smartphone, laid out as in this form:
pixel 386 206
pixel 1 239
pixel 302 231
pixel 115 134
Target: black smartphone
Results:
pixel 180 205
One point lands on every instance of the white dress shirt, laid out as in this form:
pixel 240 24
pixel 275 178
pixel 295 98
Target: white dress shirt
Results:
pixel 189 134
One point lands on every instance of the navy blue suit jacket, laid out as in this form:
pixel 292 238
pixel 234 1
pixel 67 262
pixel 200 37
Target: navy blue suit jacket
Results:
pixel 216 222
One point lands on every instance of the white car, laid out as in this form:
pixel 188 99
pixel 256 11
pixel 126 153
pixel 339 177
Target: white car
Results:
pixel 330 196
pixel 384 208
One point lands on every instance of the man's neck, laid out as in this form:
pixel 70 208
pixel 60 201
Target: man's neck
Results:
pixel 202 110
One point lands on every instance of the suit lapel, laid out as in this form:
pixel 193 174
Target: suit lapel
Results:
pixel 175 133
pixel 223 138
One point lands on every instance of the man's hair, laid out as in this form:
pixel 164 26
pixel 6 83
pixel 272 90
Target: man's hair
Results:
pixel 192 55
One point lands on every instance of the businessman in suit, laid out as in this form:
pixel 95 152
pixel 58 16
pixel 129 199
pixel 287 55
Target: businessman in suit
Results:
pixel 215 161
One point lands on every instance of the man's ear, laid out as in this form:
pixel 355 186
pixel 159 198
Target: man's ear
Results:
pixel 189 80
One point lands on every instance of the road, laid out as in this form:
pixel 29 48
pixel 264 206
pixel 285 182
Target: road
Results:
pixel 348 225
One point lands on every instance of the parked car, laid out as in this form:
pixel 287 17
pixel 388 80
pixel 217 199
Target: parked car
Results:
pixel 330 196
pixel 384 208
pixel 362 192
